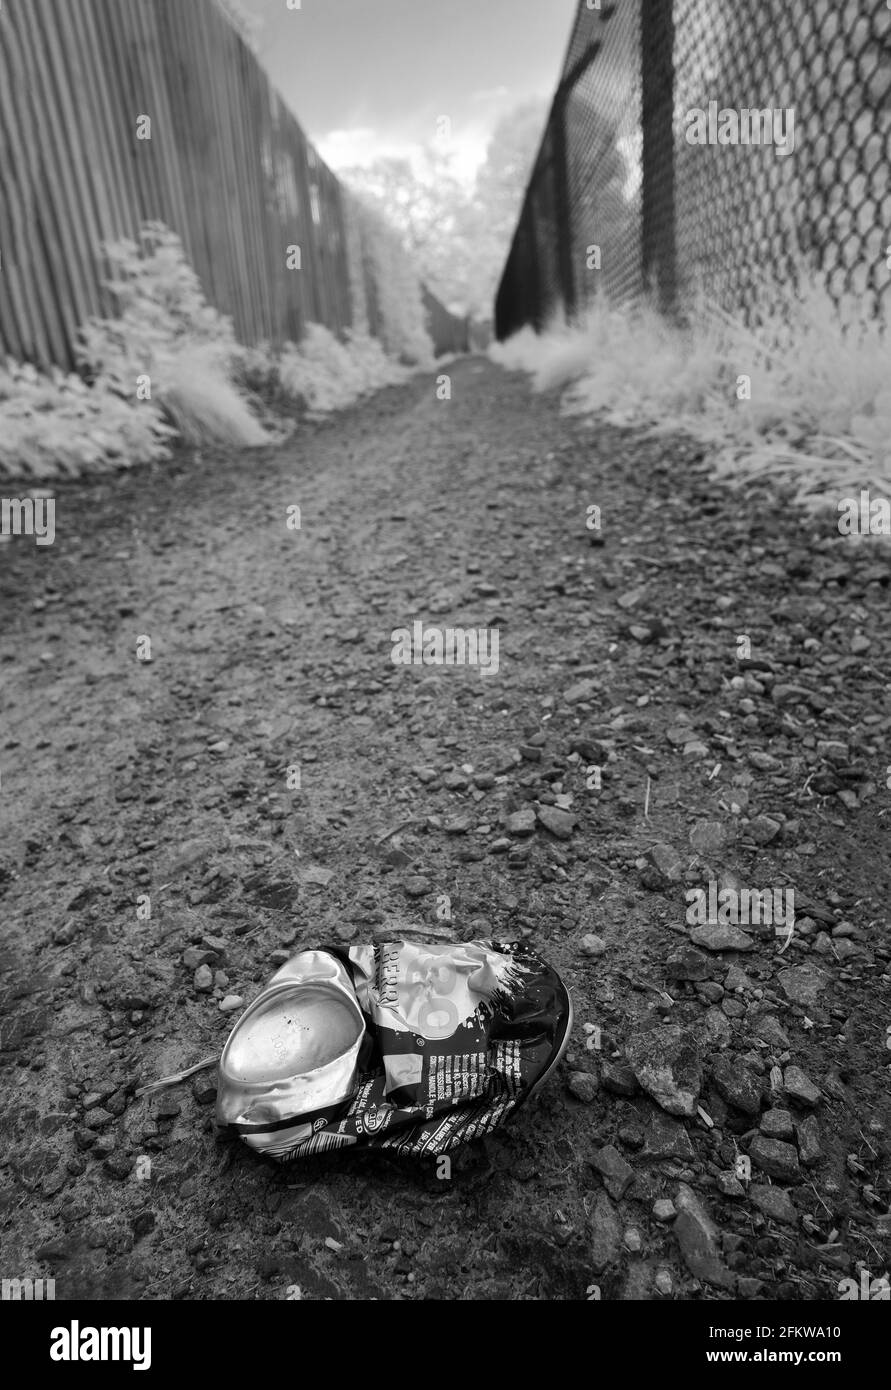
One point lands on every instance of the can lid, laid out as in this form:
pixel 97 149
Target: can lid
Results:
pixel 290 1030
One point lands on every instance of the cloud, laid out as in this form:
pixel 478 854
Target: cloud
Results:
pixel 343 149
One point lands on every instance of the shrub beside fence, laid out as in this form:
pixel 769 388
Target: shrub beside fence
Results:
pixel 615 169
pixel 83 85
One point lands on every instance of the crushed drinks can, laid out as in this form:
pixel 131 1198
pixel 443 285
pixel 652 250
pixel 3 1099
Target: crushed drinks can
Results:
pixel 411 1048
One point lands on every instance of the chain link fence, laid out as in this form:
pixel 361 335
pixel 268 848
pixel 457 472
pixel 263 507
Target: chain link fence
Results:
pixel 707 146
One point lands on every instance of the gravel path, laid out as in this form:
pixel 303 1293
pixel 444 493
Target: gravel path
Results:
pixel 128 784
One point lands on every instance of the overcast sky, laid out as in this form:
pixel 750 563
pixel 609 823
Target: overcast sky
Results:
pixel 370 77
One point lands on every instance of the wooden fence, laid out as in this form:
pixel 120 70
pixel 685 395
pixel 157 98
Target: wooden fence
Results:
pixel 227 167
pixel 449 332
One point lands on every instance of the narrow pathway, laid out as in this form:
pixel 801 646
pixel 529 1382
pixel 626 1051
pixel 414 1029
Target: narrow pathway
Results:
pixel 123 779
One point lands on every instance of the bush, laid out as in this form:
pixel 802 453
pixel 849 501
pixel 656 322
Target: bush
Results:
pixel 165 330
pixel 205 387
pixel 328 375
pixel 55 425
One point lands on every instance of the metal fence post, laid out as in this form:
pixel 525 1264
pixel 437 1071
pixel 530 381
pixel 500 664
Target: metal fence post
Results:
pixel 562 204
pixel 658 248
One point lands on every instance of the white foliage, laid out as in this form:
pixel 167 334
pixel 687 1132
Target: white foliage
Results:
pixel 54 425
pixel 166 338
pixel 165 330
pixel 396 285
pixel 819 416
pixel 519 352
pixel 329 375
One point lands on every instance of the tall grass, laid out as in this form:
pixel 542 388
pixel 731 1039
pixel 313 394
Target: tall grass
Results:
pixel 814 412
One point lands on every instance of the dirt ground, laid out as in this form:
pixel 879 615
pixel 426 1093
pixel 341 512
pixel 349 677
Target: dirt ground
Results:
pixel 270 648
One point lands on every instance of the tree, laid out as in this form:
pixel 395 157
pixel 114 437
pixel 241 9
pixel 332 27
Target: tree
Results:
pixel 459 236
pixel 502 178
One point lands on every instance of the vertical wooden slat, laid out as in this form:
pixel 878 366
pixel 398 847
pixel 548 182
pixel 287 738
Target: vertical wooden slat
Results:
pixel 196 177
pixel 342 271
pixel 261 251
pixel 220 44
pixel 311 261
pixel 18 311
pixel 227 46
pixel 294 226
pixel 58 45
pixel 120 109
pixel 89 85
pixel 250 204
pixel 61 220
pixel 203 50
pixel 233 135
pixel 289 308
pixel 269 253
pixel 145 99
pixel 339 266
pixel 13 310
pixel 105 123
pixel 323 232
pixel 47 335
pixel 208 168
pixel 90 89
pixel 161 153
